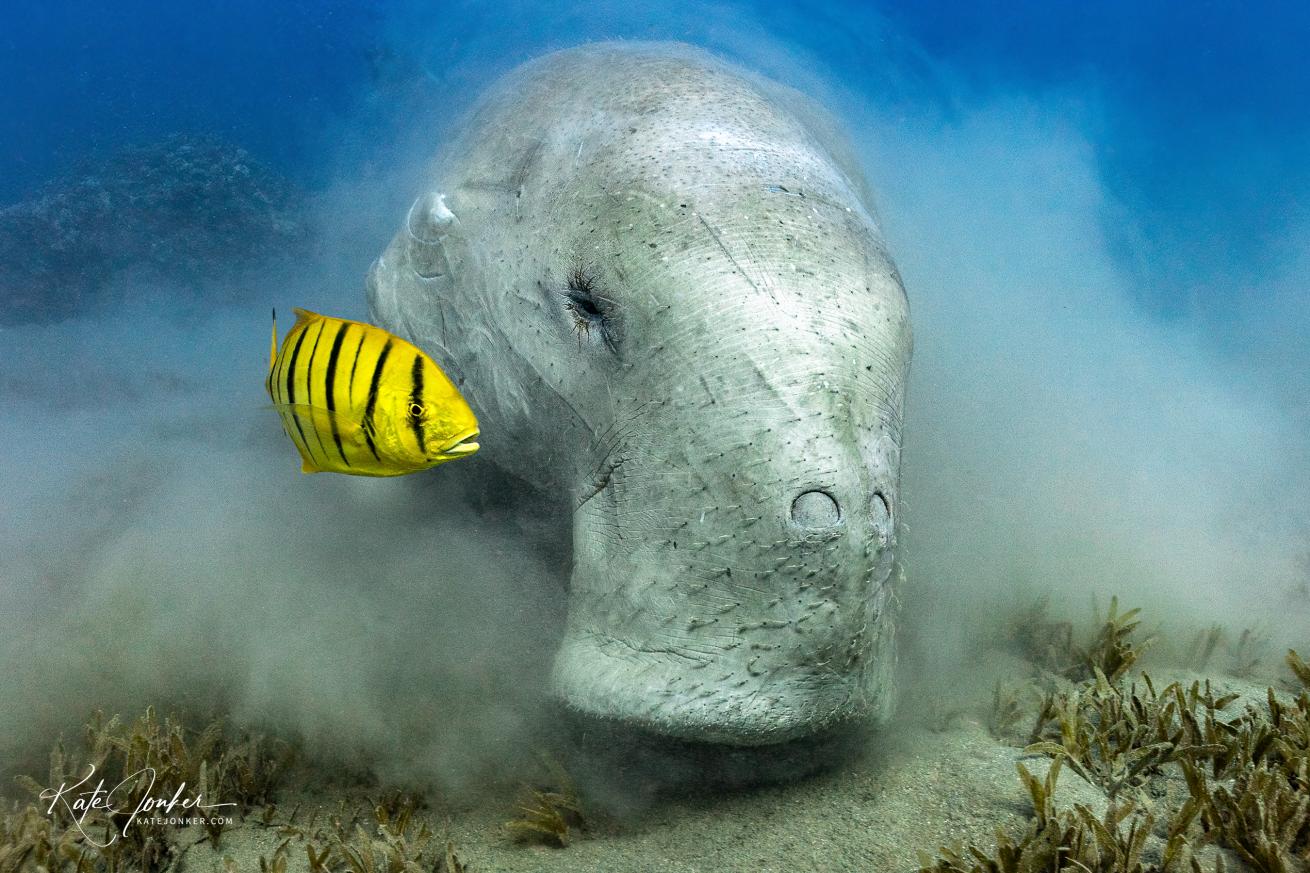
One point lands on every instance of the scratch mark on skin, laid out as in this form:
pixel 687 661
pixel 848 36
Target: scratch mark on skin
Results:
pixel 706 385
pixel 714 233
pixel 765 278
pixel 524 168
pixel 602 482
pixel 690 654
pixel 494 186
pixel 606 441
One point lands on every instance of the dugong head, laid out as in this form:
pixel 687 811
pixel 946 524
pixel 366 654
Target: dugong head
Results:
pixel 660 284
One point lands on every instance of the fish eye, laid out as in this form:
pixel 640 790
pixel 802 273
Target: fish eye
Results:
pixel 415 410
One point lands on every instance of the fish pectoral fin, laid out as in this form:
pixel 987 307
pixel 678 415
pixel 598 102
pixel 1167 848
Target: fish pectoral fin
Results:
pixel 325 421
pixel 321 422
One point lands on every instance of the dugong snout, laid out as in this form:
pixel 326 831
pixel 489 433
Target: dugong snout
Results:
pixel 753 607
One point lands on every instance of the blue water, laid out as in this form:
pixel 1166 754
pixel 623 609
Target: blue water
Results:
pixel 1203 109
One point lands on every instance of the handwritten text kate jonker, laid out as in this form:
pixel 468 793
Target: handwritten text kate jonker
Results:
pixel 80 804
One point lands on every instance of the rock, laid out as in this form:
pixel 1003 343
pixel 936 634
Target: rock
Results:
pixel 186 208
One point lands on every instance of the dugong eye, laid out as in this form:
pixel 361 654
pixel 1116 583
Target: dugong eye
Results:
pixel 590 309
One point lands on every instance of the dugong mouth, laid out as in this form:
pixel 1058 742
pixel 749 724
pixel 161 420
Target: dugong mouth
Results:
pixel 610 683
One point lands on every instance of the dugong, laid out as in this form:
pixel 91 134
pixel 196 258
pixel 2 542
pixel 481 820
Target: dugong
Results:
pixel 659 280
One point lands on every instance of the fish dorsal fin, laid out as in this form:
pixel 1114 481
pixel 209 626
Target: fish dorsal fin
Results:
pixel 305 317
pixel 272 349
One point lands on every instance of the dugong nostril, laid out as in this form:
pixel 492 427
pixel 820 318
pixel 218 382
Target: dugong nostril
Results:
pixel 880 509
pixel 815 510
pixel 880 515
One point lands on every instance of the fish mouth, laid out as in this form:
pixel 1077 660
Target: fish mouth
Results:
pixel 460 446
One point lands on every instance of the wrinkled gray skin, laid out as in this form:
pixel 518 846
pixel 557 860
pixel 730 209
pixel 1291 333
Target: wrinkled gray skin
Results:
pixel 729 425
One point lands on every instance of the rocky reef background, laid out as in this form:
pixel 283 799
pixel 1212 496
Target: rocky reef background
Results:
pixel 185 210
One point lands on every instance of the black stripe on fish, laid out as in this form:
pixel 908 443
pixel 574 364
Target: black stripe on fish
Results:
pixel 332 389
pixel 290 383
pixel 276 376
pixel 309 383
pixel 416 399
pixel 373 397
pixel 350 397
pixel 288 425
pixel 283 365
pixel 304 443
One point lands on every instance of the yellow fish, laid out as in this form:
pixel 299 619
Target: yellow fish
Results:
pixel 356 399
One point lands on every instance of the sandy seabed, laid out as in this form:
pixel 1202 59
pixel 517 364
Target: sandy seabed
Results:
pixel 916 788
